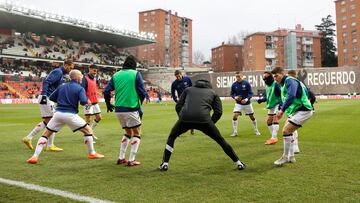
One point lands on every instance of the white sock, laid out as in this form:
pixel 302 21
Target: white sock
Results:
pixel 238 163
pixel 39 127
pixel 51 140
pixel 271 130
pixel 40 145
pixel 123 146
pixel 135 142
pixel 287 143
pixel 94 124
pixel 275 130
pixel 235 126
pixel 255 125
pixel 296 143
pixel 89 141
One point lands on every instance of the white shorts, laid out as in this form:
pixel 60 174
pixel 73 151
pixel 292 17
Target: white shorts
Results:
pixel 92 109
pixel 129 119
pixel 74 121
pixel 248 109
pixel 273 111
pixel 46 110
pixel 299 117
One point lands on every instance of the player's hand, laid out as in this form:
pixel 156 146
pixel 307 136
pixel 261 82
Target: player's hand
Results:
pixel 244 101
pixel 258 101
pixel 238 98
pixel 110 107
pixel 43 99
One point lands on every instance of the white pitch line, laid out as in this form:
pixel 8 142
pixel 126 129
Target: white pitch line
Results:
pixel 52 191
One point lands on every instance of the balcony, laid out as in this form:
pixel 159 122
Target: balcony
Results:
pixel 270 53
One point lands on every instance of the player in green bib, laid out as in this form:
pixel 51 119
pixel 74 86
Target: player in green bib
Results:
pixel 273 103
pixel 296 106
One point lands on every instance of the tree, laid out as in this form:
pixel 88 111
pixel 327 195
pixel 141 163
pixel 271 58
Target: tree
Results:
pixel 328 48
pixel 198 57
pixel 238 38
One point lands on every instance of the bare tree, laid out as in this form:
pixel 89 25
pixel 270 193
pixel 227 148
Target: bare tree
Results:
pixel 198 57
pixel 238 38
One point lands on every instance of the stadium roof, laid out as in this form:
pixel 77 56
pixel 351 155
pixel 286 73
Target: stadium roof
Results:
pixel 29 20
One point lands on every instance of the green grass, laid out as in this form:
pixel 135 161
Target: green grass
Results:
pixel 327 168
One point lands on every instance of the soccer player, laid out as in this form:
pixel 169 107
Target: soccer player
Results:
pixel 241 92
pixel 90 86
pixel 67 97
pixel 52 81
pixel 296 106
pixel 179 85
pixel 194 108
pixel 129 95
pixel 273 102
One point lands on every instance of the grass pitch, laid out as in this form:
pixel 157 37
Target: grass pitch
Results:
pixel 327 168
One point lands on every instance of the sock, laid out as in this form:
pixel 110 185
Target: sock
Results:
pixel 296 143
pixel 287 143
pixel 40 126
pixel 167 153
pixel 235 126
pixel 40 145
pixel 89 141
pixel 270 126
pixel 275 130
pixel 123 146
pixel 255 125
pixel 291 149
pixel 135 142
pixel 51 140
pixel 94 124
pixel 238 163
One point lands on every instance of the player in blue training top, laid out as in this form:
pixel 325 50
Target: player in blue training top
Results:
pixel 241 92
pixel 67 97
pixel 52 81
pixel 179 85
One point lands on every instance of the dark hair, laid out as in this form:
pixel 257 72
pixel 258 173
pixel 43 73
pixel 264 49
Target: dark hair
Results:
pixel 177 72
pixel 93 66
pixel 277 70
pixel 68 62
pixel 267 72
pixel 237 72
pixel 292 73
pixel 130 62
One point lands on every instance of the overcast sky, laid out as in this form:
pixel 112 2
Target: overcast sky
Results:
pixel 214 21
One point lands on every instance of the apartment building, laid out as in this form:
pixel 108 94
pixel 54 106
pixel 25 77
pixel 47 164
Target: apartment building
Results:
pixel 287 48
pixel 348 32
pixel 226 58
pixel 174 39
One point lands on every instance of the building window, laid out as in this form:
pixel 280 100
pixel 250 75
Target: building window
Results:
pixel 344 50
pixel 353 24
pixel 152 12
pixel 354 40
pixel 353 15
pixel 355 49
pixel 343 18
pixel 352 7
pixel 353 32
pixel 343 10
pixel 355 58
pixel 145 19
pixel 343 3
pixel 344 34
pixel 344 26
pixel 145 14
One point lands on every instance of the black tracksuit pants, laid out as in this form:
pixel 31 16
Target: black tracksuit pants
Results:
pixel 207 128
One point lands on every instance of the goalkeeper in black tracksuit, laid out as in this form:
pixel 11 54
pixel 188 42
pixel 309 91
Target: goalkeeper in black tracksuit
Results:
pixel 194 108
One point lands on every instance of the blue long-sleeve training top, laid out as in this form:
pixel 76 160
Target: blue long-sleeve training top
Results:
pixel 53 81
pixel 294 90
pixel 179 86
pixel 68 96
pixel 140 89
pixel 242 89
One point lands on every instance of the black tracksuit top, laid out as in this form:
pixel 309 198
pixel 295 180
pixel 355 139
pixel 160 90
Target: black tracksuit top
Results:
pixel 196 102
